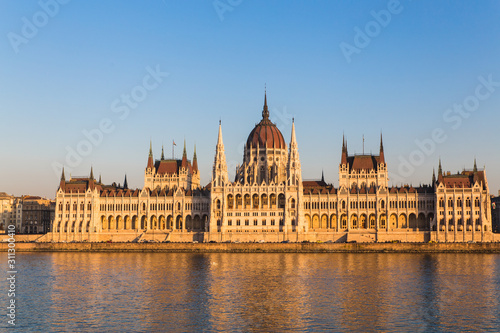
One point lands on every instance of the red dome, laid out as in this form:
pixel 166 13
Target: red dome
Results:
pixel 265 133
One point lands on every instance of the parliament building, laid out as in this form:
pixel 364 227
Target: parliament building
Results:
pixel 268 201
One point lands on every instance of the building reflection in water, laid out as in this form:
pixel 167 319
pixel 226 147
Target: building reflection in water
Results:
pixel 256 292
pixel 259 292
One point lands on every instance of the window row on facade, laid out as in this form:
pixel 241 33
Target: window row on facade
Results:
pixel 369 221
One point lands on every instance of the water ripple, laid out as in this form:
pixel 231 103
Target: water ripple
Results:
pixel 180 292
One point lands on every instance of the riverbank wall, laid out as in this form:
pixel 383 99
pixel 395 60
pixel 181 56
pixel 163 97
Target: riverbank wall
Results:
pixel 259 247
pixel 353 236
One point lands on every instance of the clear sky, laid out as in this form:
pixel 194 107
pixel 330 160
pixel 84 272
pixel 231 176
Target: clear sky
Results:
pixel 424 73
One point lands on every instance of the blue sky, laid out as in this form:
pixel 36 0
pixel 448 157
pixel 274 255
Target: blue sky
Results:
pixel 338 67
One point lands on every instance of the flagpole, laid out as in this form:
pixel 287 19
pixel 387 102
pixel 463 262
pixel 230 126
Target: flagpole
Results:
pixel 173 144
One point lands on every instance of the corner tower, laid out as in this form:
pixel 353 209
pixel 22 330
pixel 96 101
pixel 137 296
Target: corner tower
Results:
pixel 362 171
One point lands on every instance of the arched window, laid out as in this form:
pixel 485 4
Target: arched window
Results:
pixel 262 174
pixel 281 201
pixel 255 201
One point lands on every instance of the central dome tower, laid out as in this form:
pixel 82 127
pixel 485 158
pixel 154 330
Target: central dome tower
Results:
pixel 266 154
pixel 265 133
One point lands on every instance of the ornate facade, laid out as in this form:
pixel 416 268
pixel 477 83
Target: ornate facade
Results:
pixel 269 201
pixel 266 194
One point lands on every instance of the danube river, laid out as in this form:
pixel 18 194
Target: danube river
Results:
pixel 186 292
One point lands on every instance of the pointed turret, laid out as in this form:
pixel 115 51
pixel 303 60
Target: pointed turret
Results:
pixel 294 170
pixel 433 176
pixel 293 139
pixel 382 158
pixel 219 138
pixel 265 110
pixel 62 183
pixel 150 157
pixel 440 169
pixel 322 176
pixel 195 161
pixel 184 156
pixel 293 188
pixel 343 159
pixel 162 153
pixel 219 172
pixel 100 179
pixel 91 178
pixel 125 184
pixel 475 177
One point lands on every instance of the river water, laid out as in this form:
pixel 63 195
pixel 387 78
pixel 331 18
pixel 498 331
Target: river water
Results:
pixel 185 292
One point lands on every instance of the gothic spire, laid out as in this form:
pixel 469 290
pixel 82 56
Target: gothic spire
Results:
pixel 99 178
pixel 322 176
pixel 475 165
pixel 91 173
pixel 440 170
pixel 162 153
pixel 62 183
pixel 219 172
pixel 293 167
pixel 343 159
pixel 433 176
pixel 125 184
pixel 184 156
pixel 382 157
pixel 195 160
pixel 219 138
pixel 265 110
pixel 293 139
pixel 150 157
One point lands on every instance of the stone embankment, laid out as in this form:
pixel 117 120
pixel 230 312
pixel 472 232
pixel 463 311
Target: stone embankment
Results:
pixel 259 247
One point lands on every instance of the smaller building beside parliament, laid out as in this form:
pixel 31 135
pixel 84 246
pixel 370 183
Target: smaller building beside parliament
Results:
pixel 268 201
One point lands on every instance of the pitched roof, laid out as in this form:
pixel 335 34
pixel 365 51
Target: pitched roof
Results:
pixel 363 162
pixel 170 167
pixel 313 183
pixel 317 187
pixel 465 179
